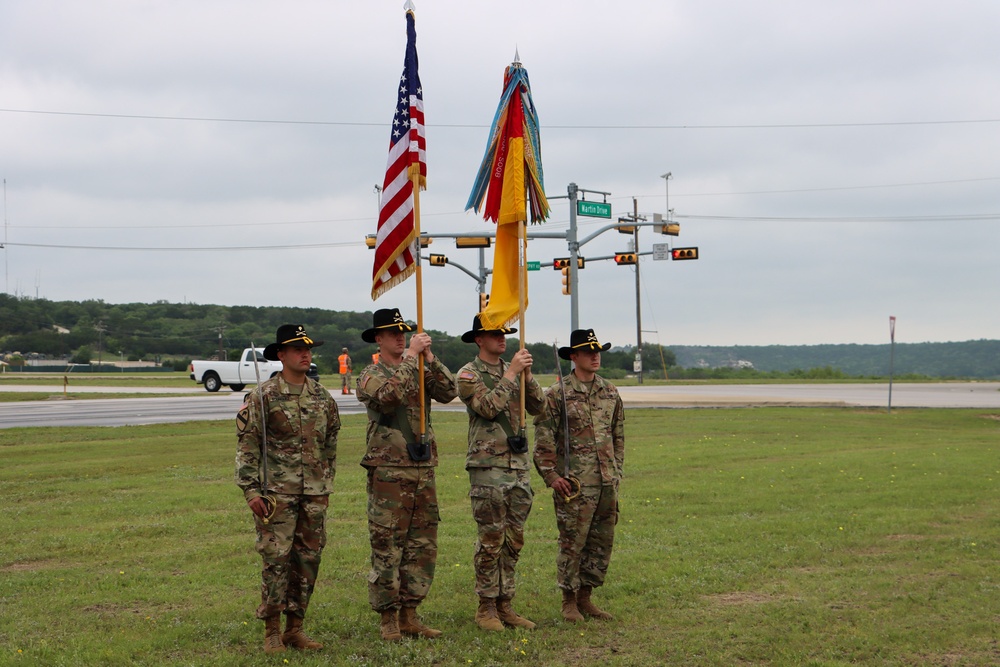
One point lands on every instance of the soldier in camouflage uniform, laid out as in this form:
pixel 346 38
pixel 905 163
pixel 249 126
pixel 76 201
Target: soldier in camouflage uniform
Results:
pixel 497 462
pixel 586 522
pixel 301 438
pixel 402 495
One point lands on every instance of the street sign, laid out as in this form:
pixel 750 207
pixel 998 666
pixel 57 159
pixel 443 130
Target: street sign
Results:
pixel 661 251
pixel 534 266
pixel 593 209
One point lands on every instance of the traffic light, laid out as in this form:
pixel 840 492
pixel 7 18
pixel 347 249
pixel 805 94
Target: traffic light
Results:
pixel 625 228
pixel 567 285
pixel 370 241
pixel 438 260
pixel 563 263
pixel 622 258
pixel 473 242
pixel 484 300
pixel 425 241
pixel 684 253
pixel 671 229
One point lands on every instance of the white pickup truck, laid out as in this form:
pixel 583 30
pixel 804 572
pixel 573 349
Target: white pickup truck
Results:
pixel 236 374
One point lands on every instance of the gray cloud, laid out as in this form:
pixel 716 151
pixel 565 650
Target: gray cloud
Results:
pixel 770 116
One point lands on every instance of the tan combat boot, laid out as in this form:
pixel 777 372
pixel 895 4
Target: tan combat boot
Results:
pixel 390 626
pixel 588 608
pixel 486 615
pixel 410 624
pixel 569 610
pixel 272 635
pixel 294 637
pixel 506 613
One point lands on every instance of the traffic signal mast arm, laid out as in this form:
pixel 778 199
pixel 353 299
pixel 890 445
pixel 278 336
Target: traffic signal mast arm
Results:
pixel 593 259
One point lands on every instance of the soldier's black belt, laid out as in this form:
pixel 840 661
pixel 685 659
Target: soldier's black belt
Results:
pixel 418 451
pixel 517 443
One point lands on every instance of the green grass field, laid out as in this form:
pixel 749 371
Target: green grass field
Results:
pixel 771 536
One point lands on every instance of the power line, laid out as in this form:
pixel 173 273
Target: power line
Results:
pixel 834 188
pixel 214 225
pixel 341 244
pixel 946 217
pixel 949 217
pixel 740 126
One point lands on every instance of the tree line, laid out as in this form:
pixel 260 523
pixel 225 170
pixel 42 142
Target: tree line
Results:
pixel 174 333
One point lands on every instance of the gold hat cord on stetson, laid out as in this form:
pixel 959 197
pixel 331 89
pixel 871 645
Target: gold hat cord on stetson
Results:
pixel 305 339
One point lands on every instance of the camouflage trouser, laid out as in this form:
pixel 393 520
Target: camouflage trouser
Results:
pixel 402 526
pixel 345 381
pixel 501 501
pixel 586 536
pixel 291 545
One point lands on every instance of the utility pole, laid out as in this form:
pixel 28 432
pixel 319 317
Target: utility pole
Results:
pixel 574 252
pixel 481 282
pixel 100 342
pixel 221 328
pixel 638 303
pixel 6 262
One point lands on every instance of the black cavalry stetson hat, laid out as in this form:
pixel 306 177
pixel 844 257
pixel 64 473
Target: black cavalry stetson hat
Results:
pixel 478 328
pixel 580 340
pixel 385 319
pixel 289 334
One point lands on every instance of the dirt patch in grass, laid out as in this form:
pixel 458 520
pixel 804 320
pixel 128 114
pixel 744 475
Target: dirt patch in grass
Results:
pixel 34 565
pixel 589 655
pixel 741 598
pixel 108 610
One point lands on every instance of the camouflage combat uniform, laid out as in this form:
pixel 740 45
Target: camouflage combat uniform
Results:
pixel 402 496
pixel 597 453
pixel 302 455
pixel 499 478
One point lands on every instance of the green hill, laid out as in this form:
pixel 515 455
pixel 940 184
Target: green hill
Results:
pixel 970 359
pixel 174 333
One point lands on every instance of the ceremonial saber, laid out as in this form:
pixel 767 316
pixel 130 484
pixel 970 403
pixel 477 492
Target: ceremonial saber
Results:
pixel 270 504
pixel 562 391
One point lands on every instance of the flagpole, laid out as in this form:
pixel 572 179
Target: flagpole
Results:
pixel 415 180
pixel 522 284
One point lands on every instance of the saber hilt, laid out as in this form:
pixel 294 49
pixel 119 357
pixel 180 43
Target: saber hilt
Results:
pixel 270 503
pixel 567 475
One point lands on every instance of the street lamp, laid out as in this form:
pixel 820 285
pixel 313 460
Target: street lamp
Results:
pixel 666 181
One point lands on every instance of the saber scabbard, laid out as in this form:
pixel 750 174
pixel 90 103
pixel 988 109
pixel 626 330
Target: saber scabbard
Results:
pixel 270 503
pixel 567 475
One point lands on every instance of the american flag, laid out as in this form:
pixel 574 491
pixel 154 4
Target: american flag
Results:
pixel 396 248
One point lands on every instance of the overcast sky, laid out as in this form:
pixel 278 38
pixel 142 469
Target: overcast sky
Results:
pixel 835 163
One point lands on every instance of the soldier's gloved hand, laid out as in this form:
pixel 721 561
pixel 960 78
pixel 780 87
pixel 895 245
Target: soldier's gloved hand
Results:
pixel 563 486
pixel 258 506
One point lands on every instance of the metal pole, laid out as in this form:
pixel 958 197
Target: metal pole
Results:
pixel 481 283
pixel 892 354
pixel 666 181
pixel 638 305
pixel 574 253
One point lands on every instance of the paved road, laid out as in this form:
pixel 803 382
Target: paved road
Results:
pixel 223 405
pixel 931 395
pixel 125 411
